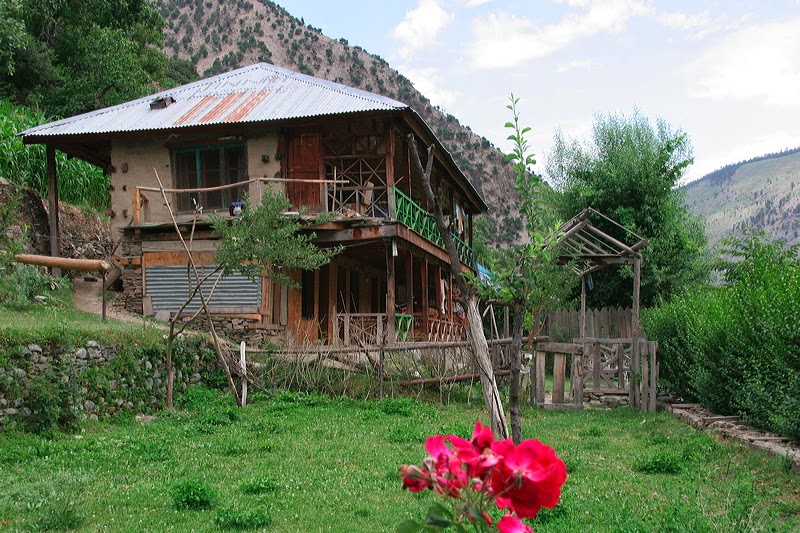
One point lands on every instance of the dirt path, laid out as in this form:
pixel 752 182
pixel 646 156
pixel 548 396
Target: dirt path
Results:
pixel 87 297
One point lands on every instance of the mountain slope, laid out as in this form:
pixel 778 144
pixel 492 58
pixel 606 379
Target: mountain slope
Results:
pixel 220 35
pixel 763 192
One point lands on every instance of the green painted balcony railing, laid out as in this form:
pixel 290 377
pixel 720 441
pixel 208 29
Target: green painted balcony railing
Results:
pixel 415 217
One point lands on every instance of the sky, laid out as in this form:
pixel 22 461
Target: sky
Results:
pixel 726 72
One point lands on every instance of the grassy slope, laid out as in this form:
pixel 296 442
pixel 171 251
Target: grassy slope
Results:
pixel 333 465
pixel 736 200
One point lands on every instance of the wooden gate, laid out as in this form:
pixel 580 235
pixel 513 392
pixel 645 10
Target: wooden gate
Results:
pixel 621 367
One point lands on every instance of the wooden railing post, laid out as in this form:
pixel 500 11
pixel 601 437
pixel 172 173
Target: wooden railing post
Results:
pixel 577 378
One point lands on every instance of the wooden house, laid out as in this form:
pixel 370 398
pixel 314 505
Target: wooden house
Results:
pixel 330 149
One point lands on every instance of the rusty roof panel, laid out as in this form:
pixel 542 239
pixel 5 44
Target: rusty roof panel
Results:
pixel 221 108
pixel 271 93
pixel 197 108
pixel 246 107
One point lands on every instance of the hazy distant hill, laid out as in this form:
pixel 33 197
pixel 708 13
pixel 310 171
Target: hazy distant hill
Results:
pixel 763 192
pixel 220 35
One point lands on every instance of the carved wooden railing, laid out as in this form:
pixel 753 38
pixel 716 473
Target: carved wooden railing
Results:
pixel 371 329
pixel 416 218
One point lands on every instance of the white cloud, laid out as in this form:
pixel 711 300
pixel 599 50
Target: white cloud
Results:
pixel 682 21
pixel 420 27
pixel 428 81
pixel 503 40
pixel 758 63
pixel 476 3
pixel 577 64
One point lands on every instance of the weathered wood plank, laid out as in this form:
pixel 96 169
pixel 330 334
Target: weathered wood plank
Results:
pixel 559 368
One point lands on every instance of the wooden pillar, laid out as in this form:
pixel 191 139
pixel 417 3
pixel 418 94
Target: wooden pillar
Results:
pixel 583 308
pixel 409 264
pixel 469 224
pixel 52 198
pixel 423 297
pixel 391 327
pixel 390 172
pixel 637 281
pixel 333 337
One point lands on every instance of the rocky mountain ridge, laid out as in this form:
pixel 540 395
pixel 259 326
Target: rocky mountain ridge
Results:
pixel 761 193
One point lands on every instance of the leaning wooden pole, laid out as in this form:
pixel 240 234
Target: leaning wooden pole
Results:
pixel 203 300
pixel 469 298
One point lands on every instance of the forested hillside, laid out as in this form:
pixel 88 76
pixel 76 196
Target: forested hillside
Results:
pixel 763 192
pixel 218 36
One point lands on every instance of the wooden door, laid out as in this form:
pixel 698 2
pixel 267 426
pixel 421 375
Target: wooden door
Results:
pixel 304 163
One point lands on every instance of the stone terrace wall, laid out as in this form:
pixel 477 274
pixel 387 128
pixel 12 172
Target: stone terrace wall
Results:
pixel 96 381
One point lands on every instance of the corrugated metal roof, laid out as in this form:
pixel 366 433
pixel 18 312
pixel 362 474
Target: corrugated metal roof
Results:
pixel 260 92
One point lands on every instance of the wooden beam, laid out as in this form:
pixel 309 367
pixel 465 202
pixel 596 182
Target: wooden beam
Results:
pixel 52 199
pixel 82 265
pixel 637 282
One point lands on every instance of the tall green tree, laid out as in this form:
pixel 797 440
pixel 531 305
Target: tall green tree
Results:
pixel 69 57
pixel 629 171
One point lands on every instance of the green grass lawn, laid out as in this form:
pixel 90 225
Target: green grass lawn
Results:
pixel 309 463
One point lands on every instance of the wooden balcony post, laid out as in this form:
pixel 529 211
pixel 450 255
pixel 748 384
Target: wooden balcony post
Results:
pixel 391 327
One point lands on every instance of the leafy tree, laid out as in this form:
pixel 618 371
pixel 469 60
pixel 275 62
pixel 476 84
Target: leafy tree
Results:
pixel 629 171
pixel 527 276
pixel 73 57
pixel 265 240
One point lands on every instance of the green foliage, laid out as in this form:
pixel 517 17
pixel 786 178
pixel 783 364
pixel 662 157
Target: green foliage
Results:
pixel 193 494
pixel 22 282
pixel 529 274
pixel 267 240
pixel 79 183
pixel 77 56
pixel 51 401
pixel 629 172
pixel 10 243
pixel 660 463
pixel 60 516
pixel 736 348
pixel 262 485
pixel 242 519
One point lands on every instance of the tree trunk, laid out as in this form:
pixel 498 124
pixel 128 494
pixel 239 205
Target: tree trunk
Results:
pixel 516 372
pixel 480 348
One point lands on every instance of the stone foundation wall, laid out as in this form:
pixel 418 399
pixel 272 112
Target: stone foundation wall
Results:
pixel 95 381
pixel 130 299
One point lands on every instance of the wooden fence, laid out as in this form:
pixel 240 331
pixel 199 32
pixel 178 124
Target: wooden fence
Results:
pixel 621 367
pixel 605 323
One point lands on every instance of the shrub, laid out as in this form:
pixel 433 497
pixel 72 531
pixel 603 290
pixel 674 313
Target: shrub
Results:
pixel 736 348
pixel 50 400
pixel 659 463
pixel 22 283
pixel 60 516
pixel 242 519
pixel 194 494
pixel 259 486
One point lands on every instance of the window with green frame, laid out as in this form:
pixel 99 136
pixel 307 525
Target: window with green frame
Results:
pixel 213 165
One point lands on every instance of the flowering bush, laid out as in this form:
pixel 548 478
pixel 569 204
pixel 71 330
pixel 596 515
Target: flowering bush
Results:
pixel 473 474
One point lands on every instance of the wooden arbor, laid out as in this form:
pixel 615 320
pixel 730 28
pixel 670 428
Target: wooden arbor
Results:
pixel 589 249
pixel 614 367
